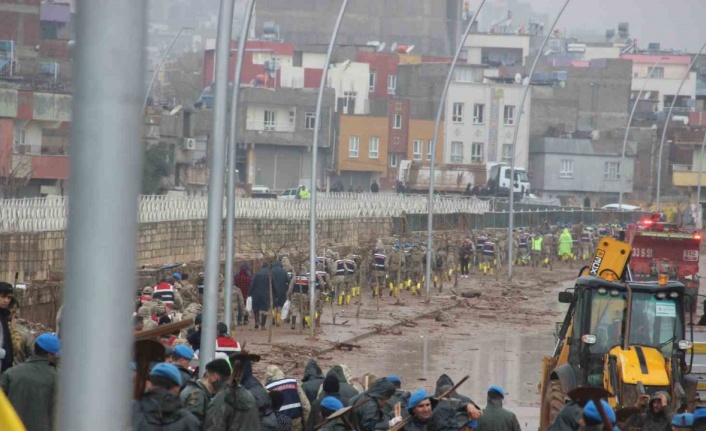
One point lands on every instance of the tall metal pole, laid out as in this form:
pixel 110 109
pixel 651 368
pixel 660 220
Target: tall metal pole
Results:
pixel 215 186
pixel 511 224
pixel 314 152
pixel 627 131
pixel 666 125
pixel 698 189
pixel 159 66
pixel 432 166
pixel 232 148
pixel 106 159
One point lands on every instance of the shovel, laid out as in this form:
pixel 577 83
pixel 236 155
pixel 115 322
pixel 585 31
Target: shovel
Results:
pixel 586 394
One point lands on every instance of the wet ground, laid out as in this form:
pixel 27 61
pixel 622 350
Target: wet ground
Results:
pixel 496 339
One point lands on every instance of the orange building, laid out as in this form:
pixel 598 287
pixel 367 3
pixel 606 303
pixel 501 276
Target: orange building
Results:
pixel 362 150
pixel 421 134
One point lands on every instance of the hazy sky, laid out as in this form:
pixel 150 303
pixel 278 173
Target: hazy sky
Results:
pixel 678 24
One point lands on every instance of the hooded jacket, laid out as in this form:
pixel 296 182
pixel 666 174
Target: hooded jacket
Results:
pixel 444 383
pixel 280 284
pixel 371 415
pixel 31 387
pixel 296 404
pixel 648 420
pixel 260 289
pixel 565 243
pixel 315 414
pixel 233 409
pixel 346 390
pixel 568 418
pixel 496 418
pixel 5 339
pixel 161 410
pixel 195 397
pixel 243 280
pixel 312 380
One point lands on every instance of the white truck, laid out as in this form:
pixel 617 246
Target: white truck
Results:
pixel 498 183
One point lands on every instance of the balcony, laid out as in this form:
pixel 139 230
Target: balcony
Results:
pixel 261 126
pixel 685 176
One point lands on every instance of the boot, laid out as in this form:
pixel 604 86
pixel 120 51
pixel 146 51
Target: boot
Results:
pixel 256 318
pixel 294 322
pixel 263 321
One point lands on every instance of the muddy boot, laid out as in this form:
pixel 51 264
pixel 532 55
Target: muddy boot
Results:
pixel 263 321
pixel 257 320
pixel 294 322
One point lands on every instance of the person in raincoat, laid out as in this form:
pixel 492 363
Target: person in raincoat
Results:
pixel 430 414
pixel 495 417
pixel 373 413
pixel 346 389
pixel 296 405
pixel 566 242
pixel 268 420
pixel 312 380
pixel 330 389
pixel 568 418
pixel 329 405
pixel 260 293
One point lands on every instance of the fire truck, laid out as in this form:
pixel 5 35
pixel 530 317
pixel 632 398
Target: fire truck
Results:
pixel 660 248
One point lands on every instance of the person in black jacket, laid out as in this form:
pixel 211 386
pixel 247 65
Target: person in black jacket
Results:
pixel 6 354
pixel 312 380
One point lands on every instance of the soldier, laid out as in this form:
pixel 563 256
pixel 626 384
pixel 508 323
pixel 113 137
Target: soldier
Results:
pixel 536 249
pixel 548 250
pixel 488 256
pixel 587 240
pixel 189 293
pixel 380 264
pixel 523 247
pixel 466 254
pixel 480 241
pixel 298 295
pixel 148 323
pixel 395 268
pixel 349 278
pixel 417 262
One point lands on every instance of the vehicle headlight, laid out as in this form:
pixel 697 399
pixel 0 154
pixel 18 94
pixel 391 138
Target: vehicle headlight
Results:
pixel 661 295
pixel 684 344
pixel 674 294
pixel 614 293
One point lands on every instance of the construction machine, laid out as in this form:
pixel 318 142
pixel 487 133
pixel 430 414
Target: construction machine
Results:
pixel 623 336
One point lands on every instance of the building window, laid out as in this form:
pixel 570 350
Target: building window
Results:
pixel 353 146
pixel 348 101
pixel 656 72
pixel 509 115
pixel 429 144
pixel 397 121
pixel 457 116
pixel 457 152
pixel 507 153
pixel 19 137
pixel 478 111
pixel 463 74
pixel 611 171
pixel 310 120
pixel 374 148
pixel 417 149
pixel 567 169
pixel 269 122
pixel 292 117
pixel 392 160
pixel 371 81
pixel 477 152
pixel 391 84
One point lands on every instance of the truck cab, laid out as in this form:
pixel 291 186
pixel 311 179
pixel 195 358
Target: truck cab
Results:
pixel 499 180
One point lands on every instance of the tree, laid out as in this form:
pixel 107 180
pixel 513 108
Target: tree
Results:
pixel 158 164
pixel 183 82
pixel 15 173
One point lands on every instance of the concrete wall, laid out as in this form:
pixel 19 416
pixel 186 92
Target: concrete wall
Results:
pixel 35 255
pixel 588 174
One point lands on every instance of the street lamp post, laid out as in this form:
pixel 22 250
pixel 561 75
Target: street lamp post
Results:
pixel 666 125
pixel 215 186
pixel 159 66
pixel 439 113
pixel 232 148
pixel 514 142
pixel 314 152
pixel 627 131
pixel 105 162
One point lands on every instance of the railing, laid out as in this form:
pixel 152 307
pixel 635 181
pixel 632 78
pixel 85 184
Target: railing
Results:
pixel 681 168
pixel 262 126
pixel 49 214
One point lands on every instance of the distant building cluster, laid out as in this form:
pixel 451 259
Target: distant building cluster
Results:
pixel 380 104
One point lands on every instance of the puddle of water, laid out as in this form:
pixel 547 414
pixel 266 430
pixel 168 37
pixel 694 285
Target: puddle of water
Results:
pixel 510 360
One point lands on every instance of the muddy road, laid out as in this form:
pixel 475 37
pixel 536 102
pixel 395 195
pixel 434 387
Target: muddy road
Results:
pixel 497 338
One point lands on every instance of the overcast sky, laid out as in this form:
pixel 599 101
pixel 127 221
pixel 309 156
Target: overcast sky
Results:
pixel 678 24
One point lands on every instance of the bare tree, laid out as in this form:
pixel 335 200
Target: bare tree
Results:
pixel 183 81
pixel 15 173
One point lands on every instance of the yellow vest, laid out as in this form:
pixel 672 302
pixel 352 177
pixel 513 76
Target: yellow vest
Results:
pixel 537 243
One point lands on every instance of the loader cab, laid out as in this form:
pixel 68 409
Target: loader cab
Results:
pixel 599 310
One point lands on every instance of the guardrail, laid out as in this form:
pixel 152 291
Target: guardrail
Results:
pixel 49 214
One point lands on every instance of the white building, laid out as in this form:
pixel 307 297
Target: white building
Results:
pixel 497 49
pixel 665 79
pixel 479 124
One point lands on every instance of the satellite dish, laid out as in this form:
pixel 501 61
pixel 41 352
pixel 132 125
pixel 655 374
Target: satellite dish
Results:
pixel 526 80
pixel 409 49
pixel 647 95
pixel 393 48
pixel 518 78
pixel 345 64
pixel 381 47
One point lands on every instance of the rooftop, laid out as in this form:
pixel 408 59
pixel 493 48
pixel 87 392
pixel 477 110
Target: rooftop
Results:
pixel 588 147
pixel 663 59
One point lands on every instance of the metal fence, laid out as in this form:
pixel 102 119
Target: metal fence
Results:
pixel 49 214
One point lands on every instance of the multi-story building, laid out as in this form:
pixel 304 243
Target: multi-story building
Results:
pixel 362 151
pixel 665 74
pixel 685 176
pixel 573 168
pixel 480 120
pixel 497 49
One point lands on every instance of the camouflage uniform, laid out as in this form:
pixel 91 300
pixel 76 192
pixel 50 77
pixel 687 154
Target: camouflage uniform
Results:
pixel 146 318
pixel 440 267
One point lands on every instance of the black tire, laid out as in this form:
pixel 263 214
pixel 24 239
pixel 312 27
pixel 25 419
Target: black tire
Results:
pixel 555 399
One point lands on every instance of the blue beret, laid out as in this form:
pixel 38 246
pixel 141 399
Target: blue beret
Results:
pixel 167 371
pixel 394 379
pixel 591 412
pixel 683 420
pixel 331 403
pixel 417 397
pixel 497 389
pixel 176 275
pixel 700 413
pixel 49 343
pixel 184 352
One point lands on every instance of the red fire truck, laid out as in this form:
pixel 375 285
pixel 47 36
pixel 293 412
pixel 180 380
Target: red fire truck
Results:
pixel 663 248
